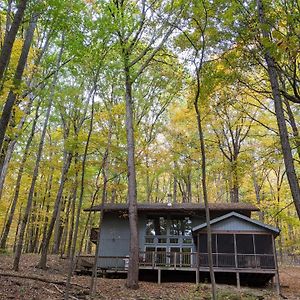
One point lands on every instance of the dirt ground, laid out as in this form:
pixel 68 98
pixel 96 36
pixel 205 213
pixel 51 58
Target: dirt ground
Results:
pixel 12 287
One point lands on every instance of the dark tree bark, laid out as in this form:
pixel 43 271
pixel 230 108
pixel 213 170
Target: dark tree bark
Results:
pixel 283 132
pixel 10 37
pixel 12 96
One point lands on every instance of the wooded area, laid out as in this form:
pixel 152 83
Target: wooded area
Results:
pixel 145 101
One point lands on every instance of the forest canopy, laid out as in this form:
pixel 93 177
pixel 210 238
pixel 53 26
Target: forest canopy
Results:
pixel 96 94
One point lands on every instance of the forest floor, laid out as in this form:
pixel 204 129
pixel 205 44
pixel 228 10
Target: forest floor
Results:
pixel 51 285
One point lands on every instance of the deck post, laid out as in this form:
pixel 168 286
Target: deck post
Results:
pixel 153 260
pixel 197 276
pixel 235 251
pixel 198 258
pixel 277 281
pixel 238 283
pixel 159 276
pixel 175 260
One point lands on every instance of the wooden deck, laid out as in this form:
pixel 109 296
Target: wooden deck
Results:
pixel 223 262
pixel 231 263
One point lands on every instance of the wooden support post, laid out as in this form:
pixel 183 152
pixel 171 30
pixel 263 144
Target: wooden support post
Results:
pixel 277 281
pixel 159 276
pixel 235 251
pixel 197 276
pixel 153 260
pixel 175 259
pixel 238 283
pixel 198 258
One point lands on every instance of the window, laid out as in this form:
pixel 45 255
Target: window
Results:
pixel 180 226
pixel 156 226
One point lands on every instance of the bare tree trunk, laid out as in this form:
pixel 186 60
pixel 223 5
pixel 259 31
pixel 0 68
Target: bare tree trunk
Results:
pixel 36 170
pixel 101 216
pixel 45 244
pixel 205 198
pixel 18 228
pixel 18 183
pixel 66 228
pixel 10 37
pixel 12 96
pixel 74 242
pixel 283 132
pixel 73 206
pixel 58 228
pixel 234 189
pixel 133 267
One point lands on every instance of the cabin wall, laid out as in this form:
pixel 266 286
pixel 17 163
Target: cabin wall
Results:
pixel 115 235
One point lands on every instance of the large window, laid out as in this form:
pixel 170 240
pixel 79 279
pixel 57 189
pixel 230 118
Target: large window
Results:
pixel 156 226
pixel 181 226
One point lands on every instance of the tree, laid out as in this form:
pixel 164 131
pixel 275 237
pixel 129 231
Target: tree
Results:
pixel 283 132
pixel 10 36
pixel 136 53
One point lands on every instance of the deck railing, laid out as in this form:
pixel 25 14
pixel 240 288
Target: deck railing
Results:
pixel 185 260
pixel 240 261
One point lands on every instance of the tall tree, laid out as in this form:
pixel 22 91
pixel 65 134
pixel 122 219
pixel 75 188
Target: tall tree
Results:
pixel 136 53
pixel 283 132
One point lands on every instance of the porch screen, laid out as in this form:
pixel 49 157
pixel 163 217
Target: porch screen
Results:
pixel 263 244
pixel 244 244
pixel 225 243
pixel 203 243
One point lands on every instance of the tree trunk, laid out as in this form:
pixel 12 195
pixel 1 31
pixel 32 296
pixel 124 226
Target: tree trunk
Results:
pixel 10 37
pixel 205 198
pixel 74 242
pixel 12 96
pixel 45 245
pixel 58 227
pixel 133 267
pixel 73 206
pixel 36 170
pixel 283 132
pixel 101 216
pixel 18 183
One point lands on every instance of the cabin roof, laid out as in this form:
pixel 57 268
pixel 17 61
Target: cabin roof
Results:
pixel 233 214
pixel 177 207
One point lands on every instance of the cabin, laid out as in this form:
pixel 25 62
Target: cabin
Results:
pixel 173 238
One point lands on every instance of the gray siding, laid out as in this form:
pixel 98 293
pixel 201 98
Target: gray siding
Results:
pixel 236 224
